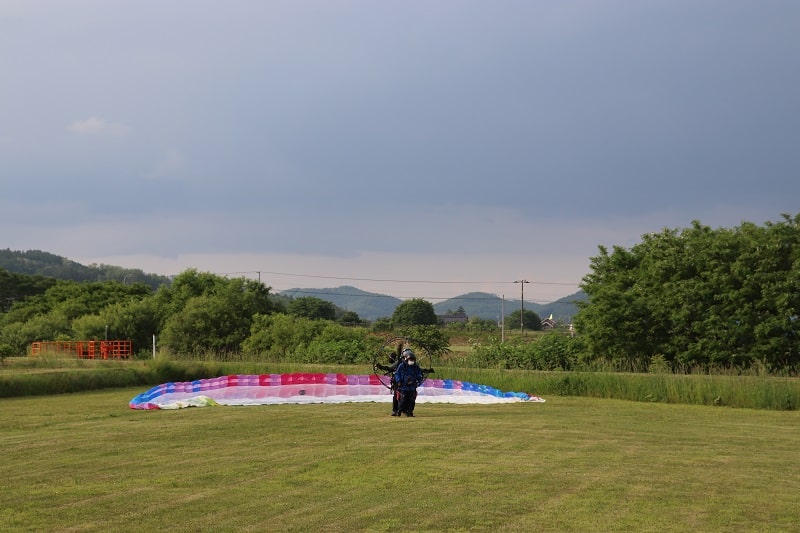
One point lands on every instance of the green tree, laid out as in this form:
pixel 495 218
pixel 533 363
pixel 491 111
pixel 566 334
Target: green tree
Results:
pixel 312 307
pixel 617 322
pixel 279 335
pixel 6 350
pixel 73 299
pixel 476 323
pixel 415 312
pixel 17 287
pixel 491 353
pixel 134 320
pixel 209 313
pixel 47 327
pixel 50 315
pixel 530 320
pixel 187 285
pixel 383 323
pixel 429 338
pixel 339 345
pixel 555 351
pixel 350 318
pixel 697 298
pixel 206 324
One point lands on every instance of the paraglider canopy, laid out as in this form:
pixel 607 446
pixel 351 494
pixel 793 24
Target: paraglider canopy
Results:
pixel 304 388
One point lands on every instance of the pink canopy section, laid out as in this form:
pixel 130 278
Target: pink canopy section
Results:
pixel 300 388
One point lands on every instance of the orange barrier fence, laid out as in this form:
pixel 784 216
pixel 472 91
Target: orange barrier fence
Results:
pixel 84 349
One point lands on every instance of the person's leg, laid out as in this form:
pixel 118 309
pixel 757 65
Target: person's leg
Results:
pixel 412 402
pixel 395 403
pixel 403 405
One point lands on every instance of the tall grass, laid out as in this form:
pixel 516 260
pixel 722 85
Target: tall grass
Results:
pixel 755 392
pixel 56 376
pixel 42 376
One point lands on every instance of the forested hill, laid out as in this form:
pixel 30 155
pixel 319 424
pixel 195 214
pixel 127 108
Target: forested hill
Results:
pixel 38 263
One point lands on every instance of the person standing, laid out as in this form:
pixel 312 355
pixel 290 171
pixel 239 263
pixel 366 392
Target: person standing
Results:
pixel 391 370
pixel 407 378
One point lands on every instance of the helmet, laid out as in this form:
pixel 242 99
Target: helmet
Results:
pixel 408 353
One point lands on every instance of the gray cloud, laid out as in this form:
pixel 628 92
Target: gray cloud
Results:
pixel 347 127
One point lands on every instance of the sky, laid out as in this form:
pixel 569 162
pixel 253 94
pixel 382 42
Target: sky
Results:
pixel 421 149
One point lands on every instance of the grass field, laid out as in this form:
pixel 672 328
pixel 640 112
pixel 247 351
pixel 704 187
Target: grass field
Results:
pixel 86 462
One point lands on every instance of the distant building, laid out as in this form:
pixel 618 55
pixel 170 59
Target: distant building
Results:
pixel 453 317
pixel 548 323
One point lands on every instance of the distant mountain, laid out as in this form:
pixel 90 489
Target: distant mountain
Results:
pixel 492 307
pixel 368 305
pixel 371 306
pixel 38 263
pixel 480 304
pixel 563 309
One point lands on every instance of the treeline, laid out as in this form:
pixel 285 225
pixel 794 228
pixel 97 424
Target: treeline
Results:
pixel 696 299
pixel 198 315
pixel 207 316
pixel 693 300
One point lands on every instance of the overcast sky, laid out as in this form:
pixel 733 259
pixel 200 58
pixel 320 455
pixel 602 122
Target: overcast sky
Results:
pixel 465 144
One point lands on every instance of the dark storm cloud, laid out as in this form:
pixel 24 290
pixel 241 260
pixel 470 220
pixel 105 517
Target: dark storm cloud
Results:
pixel 271 126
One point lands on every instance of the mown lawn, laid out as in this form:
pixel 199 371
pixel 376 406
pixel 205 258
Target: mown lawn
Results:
pixel 85 462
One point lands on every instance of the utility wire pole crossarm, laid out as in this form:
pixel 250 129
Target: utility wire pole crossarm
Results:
pixel 522 283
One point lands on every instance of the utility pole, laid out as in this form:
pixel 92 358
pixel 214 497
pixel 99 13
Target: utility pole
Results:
pixel 503 320
pixel 522 283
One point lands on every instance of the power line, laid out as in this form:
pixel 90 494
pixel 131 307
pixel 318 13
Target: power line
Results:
pixel 380 280
pixel 393 280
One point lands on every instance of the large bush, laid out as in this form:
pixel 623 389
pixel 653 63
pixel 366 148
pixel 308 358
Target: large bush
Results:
pixel 552 351
pixel 208 313
pixel 700 298
pixel 281 337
